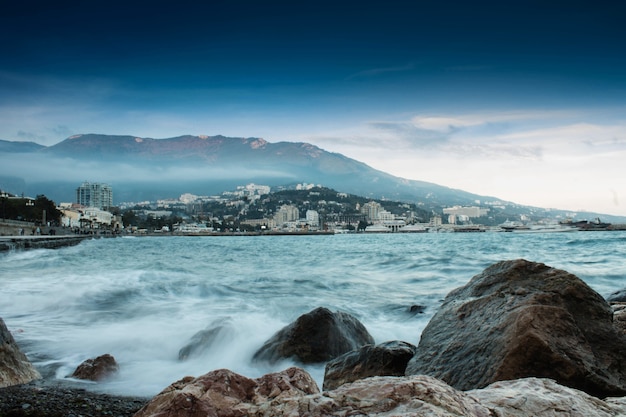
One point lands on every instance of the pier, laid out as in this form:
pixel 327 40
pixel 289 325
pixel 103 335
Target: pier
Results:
pixel 40 242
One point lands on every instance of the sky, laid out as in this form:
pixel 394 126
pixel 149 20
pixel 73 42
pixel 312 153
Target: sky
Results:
pixel 520 100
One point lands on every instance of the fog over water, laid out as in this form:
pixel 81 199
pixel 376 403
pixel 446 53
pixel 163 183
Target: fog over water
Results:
pixel 142 299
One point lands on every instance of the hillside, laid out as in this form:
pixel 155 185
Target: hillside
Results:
pixel 149 169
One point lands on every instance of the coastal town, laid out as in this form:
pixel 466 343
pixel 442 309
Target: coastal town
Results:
pixel 259 209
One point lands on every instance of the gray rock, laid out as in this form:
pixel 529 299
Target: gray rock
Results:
pixel 202 341
pixel 544 397
pixel 385 359
pixel 521 319
pixel 617 296
pixel 315 337
pixel 15 368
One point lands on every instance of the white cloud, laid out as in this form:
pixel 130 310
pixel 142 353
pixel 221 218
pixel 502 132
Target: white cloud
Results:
pixel 540 158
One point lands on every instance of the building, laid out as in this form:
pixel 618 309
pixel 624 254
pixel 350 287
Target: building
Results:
pixel 313 217
pixel 371 210
pixel 95 195
pixel 470 212
pixel 286 214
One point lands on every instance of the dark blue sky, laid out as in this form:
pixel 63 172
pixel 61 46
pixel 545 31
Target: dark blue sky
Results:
pixel 449 77
pixel 359 51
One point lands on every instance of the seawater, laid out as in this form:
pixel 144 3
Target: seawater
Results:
pixel 142 299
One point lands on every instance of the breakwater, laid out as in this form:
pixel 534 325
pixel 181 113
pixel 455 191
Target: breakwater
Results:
pixel 41 242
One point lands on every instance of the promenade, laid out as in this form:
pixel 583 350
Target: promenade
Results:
pixel 41 242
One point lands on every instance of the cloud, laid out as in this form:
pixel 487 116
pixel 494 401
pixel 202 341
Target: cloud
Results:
pixel 412 136
pixel 42 168
pixel 374 72
pixel 468 68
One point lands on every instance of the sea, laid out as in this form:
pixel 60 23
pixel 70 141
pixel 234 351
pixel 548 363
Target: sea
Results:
pixel 142 299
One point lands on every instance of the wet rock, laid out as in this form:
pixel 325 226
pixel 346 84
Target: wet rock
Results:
pixel 417 309
pixel 315 337
pixel 385 359
pixel 617 296
pixel 15 368
pixel 520 319
pixel 97 369
pixel 202 341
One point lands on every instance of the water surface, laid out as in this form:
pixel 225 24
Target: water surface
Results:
pixel 142 299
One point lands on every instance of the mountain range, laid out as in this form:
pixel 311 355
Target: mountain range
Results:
pixel 148 169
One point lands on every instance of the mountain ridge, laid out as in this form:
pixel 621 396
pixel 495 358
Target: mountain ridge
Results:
pixel 152 168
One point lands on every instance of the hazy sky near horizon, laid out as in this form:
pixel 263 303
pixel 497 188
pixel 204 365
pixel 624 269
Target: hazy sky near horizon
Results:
pixel 524 101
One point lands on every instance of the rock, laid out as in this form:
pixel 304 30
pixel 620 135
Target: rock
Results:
pixel 293 393
pixel 385 359
pixel 204 339
pixel 225 393
pixel 96 369
pixel 618 296
pixel 543 397
pixel 417 309
pixel 520 319
pixel 15 368
pixel 315 337
pixel 619 316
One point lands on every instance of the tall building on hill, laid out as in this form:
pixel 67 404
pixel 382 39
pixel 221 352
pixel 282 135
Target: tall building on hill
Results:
pixel 286 213
pixel 95 195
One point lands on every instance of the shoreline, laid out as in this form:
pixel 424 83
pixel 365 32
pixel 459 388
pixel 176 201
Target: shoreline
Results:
pixel 43 398
pixel 8 243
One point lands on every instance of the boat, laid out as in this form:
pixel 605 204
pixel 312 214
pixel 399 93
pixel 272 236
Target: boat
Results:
pixel 517 227
pixel 596 224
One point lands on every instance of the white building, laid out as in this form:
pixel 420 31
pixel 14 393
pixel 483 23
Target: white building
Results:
pixel 285 214
pixel 371 210
pixel 313 218
pixel 94 195
pixel 88 218
pixel 466 211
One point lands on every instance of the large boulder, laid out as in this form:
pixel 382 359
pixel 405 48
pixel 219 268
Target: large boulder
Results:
pixel 15 368
pixel 293 392
pixel 97 369
pixel 315 337
pixel 385 359
pixel 520 319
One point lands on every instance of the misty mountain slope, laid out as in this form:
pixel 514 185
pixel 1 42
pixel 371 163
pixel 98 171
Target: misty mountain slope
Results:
pixel 165 168
pixel 19 147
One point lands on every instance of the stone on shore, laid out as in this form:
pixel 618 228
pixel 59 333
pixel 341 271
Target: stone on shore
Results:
pixel 293 392
pixel 96 369
pixel 617 296
pixel 521 319
pixel 315 337
pixel 15 368
pixel 225 393
pixel 385 359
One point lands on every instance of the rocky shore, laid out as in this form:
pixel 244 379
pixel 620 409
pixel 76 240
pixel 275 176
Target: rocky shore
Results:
pixel 519 339
pixel 46 400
